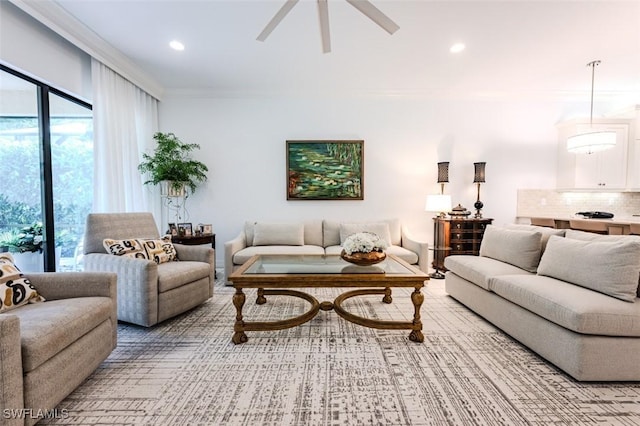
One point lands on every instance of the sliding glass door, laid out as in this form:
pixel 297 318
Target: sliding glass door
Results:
pixel 46 167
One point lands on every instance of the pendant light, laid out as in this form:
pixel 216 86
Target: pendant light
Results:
pixel 592 140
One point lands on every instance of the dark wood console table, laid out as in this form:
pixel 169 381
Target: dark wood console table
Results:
pixel 195 240
pixel 457 236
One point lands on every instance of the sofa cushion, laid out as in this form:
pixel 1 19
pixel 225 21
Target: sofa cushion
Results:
pixel 592 236
pixel 247 253
pixel 518 248
pixel 283 234
pixel 611 268
pixel 573 307
pixel 15 289
pixel 312 232
pixel 379 228
pixel 47 328
pixel 176 274
pixel 545 231
pixel 479 270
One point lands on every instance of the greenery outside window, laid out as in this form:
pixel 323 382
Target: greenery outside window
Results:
pixel 46 161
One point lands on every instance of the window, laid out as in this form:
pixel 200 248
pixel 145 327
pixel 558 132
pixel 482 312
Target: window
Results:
pixel 46 164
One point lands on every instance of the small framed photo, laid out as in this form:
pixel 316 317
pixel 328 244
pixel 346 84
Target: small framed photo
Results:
pixel 185 229
pixel 173 229
pixel 207 229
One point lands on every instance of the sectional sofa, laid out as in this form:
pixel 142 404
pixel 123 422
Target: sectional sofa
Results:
pixel 318 237
pixel 572 299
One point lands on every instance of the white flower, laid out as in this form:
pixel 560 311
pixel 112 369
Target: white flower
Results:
pixel 363 242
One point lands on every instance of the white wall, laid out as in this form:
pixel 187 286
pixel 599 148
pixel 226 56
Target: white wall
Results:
pixel 243 143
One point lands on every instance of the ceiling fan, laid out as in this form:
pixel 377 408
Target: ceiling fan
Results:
pixel 364 6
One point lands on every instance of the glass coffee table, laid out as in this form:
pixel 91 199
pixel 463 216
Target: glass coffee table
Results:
pixel 281 274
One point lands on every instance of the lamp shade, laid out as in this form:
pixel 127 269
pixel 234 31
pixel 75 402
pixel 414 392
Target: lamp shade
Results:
pixel 588 143
pixel 443 172
pixel 478 176
pixel 438 203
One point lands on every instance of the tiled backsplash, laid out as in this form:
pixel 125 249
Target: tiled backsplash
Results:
pixel 551 203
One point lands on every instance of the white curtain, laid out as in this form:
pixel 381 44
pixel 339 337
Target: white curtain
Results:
pixel 124 121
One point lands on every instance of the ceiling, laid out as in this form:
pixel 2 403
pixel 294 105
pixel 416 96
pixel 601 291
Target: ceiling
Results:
pixel 513 49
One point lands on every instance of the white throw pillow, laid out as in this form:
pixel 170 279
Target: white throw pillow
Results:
pixel 518 248
pixel 278 234
pixel 381 229
pixel 591 236
pixel 608 267
pixel 545 231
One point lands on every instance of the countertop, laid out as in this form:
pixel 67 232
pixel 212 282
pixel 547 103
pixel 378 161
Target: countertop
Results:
pixel 616 225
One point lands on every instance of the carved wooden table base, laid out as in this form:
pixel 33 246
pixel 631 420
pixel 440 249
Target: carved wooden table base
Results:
pixel 241 326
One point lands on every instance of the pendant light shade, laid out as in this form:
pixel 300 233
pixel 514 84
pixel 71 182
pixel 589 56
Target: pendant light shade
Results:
pixel 593 140
pixel 588 143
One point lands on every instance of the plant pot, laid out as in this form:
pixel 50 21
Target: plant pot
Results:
pixel 168 189
pixel 364 259
pixel 29 261
pixel 34 261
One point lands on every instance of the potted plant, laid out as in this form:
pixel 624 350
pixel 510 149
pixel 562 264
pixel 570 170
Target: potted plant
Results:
pixel 26 247
pixel 171 162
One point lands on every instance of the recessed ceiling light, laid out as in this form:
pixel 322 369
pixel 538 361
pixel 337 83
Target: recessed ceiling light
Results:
pixel 457 48
pixel 176 45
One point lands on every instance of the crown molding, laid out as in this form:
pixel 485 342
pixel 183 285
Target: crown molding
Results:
pixel 56 18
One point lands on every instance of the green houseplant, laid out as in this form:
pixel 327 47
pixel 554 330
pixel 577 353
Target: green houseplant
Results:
pixel 27 240
pixel 171 161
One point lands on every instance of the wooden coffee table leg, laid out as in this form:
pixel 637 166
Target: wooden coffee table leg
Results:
pixel 238 301
pixel 416 333
pixel 387 295
pixel 261 300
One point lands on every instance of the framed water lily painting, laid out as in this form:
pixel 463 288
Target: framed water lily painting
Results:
pixel 325 170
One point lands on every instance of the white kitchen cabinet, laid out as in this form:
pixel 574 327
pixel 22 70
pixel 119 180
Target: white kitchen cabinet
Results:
pixel 604 170
pixel 633 171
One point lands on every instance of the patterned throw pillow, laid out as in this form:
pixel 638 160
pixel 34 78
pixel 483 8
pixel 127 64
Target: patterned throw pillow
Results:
pixel 160 251
pixel 15 289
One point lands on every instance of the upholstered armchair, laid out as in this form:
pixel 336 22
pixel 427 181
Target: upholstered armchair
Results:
pixel 148 292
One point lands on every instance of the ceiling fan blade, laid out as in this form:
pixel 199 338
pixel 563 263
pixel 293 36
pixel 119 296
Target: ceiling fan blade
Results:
pixel 373 13
pixel 273 23
pixel 323 13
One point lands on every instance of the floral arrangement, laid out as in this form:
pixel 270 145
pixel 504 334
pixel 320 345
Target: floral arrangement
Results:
pixel 363 242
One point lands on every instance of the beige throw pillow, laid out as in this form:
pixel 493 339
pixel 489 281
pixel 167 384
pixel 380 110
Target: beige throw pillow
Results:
pixel 518 248
pixel 608 267
pixel 278 234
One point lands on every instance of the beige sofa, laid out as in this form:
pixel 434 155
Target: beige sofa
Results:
pixel 318 237
pixel 49 348
pixel 573 299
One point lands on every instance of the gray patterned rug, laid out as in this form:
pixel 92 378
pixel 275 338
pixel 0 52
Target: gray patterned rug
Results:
pixel 187 371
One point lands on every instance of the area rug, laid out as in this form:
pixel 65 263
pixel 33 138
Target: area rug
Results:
pixel 186 371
